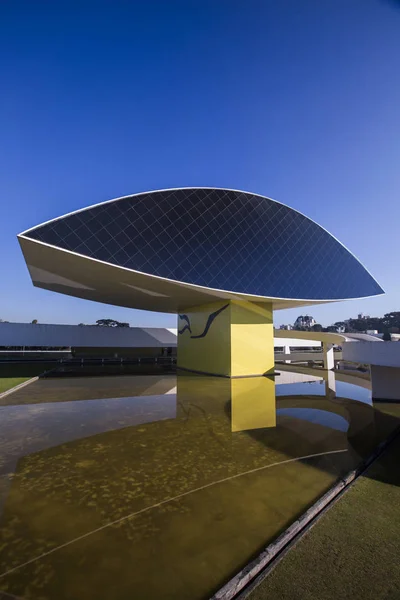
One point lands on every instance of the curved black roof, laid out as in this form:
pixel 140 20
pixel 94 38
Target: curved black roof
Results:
pixel 215 238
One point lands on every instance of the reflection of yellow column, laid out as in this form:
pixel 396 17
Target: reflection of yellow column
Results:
pixel 229 338
pixel 212 394
pixel 253 403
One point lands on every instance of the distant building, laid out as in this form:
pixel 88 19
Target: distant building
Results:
pixel 304 321
pixel 90 341
pixel 287 327
pixel 362 316
pixel 372 331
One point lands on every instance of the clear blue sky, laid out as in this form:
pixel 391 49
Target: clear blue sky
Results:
pixel 296 100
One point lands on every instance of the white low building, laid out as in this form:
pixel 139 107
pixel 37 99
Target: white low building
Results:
pixel 86 339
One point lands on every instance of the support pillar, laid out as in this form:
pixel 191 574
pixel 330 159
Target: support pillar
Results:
pixel 227 338
pixel 286 350
pixel 329 359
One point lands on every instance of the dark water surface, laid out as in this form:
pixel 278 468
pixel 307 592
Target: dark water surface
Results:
pixel 153 487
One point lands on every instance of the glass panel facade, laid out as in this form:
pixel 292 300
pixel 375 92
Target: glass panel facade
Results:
pixel 215 238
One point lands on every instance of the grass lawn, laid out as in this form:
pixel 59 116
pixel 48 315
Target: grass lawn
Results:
pixel 6 383
pixel 12 374
pixel 353 552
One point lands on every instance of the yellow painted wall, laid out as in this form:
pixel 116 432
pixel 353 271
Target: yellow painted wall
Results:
pixel 252 339
pixel 210 354
pixel 238 343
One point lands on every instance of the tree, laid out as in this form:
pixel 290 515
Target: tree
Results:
pixel 331 329
pixel 357 325
pixel 34 322
pixel 389 323
pixel 316 327
pixel 110 323
pixel 391 319
pixel 386 336
pixel 360 325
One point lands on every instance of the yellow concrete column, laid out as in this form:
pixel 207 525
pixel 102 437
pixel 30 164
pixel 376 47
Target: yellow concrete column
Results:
pixel 229 338
pixel 252 339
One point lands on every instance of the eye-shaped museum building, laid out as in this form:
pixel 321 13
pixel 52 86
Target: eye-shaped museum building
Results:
pixel 221 259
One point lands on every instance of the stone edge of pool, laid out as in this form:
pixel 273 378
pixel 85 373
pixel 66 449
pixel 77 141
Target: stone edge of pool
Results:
pixel 18 387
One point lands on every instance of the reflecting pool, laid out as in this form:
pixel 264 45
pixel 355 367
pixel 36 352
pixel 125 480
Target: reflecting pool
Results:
pixel 155 487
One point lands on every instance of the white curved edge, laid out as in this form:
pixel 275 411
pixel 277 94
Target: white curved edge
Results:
pixel 194 285
pixel 320 336
pixel 209 188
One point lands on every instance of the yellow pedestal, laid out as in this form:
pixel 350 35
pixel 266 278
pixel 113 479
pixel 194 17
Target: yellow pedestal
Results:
pixel 229 338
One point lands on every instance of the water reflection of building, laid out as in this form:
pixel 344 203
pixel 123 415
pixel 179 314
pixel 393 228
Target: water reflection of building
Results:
pixel 215 475
pixel 253 403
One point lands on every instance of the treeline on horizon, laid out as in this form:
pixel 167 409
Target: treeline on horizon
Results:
pixel 390 322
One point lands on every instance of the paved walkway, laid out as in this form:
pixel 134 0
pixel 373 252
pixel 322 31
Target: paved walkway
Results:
pixel 353 552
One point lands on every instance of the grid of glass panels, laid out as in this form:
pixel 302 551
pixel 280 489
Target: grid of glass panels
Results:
pixel 215 238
